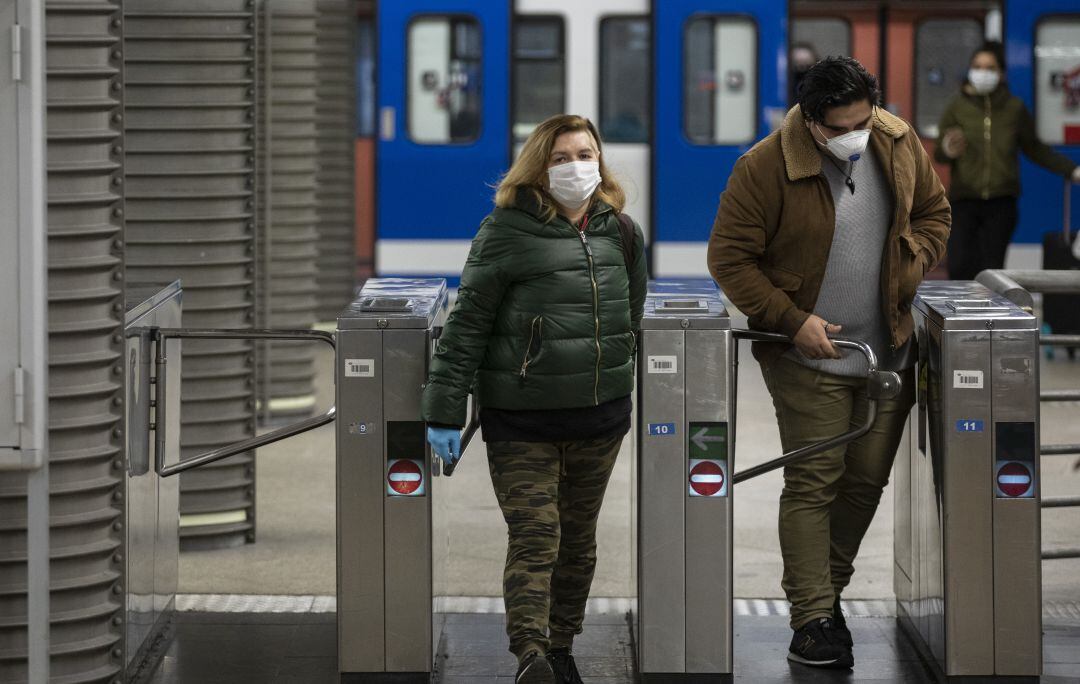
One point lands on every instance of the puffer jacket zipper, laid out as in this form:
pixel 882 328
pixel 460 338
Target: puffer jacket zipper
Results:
pixel 596 307
pixel 536 326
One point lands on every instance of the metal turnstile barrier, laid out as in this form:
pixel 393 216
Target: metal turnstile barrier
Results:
pixel 685 419
pixel 967 570
pixel 687 376
pixel 151 558
pixel 386 624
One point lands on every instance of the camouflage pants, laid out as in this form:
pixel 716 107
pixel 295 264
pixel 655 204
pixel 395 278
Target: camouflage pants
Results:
pixel 550 494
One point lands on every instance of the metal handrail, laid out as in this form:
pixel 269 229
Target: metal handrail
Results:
pixel 879 385
pixel 1018 286
pixel 161 335
pixel 1056 340
pixel 466 438
pixel 1060 501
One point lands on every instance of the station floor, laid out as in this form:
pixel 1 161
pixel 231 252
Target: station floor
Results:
pixel 291 648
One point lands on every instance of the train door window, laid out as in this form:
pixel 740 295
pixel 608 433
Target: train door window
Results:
pixel 444 64
pixel 826 36
pixel 539 72
pixel 943 49
pixel 1057 80
pixel 365 78
pixel 720 80
pixel 812 39
pixel 624 77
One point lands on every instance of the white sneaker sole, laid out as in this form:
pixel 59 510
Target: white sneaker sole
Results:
pixel 837 663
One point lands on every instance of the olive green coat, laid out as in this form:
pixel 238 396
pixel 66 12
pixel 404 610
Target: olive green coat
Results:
pixel 545 317
pixel 996 128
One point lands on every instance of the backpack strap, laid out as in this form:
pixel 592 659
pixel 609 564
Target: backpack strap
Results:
pixel 626 234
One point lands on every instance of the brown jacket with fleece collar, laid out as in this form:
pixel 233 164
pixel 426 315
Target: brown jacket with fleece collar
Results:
pixel 771 238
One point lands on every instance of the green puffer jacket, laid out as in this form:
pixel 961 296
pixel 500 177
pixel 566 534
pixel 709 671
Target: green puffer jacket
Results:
pixel 545 317
pixel 996 127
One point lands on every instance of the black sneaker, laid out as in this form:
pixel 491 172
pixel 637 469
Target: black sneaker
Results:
pixel 562 661
pixel 841 633
pixel 814 644
pixel 535 670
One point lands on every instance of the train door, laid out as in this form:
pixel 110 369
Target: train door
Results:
pixel 928 48
pixel 720 85
pixel 823 28
pixel 443 121
pixel 1043 69
pixel 592 59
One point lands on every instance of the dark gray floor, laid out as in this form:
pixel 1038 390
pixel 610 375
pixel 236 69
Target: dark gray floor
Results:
pixel 290 648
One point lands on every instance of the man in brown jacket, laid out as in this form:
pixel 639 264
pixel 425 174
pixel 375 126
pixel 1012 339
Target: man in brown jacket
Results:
pixel 829 225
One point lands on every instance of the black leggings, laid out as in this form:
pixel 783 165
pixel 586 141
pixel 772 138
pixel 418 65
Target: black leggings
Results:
pixel 981 232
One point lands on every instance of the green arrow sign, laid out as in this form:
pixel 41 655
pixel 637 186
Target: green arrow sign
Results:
pixel 708 440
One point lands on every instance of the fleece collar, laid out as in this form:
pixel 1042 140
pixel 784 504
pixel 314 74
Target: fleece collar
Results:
pixel 801 157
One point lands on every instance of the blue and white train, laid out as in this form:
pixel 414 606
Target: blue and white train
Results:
pixel 678 88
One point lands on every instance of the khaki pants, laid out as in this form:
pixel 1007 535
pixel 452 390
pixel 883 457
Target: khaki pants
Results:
pixel 550 495
pixel 829 499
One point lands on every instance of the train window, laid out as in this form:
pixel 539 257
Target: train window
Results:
pixel 826 36
pixel 1057 80
pixel 720 80
pixel 943 50
pixel 624 73
pixel 812 39
pixel 539 72
pixel 365 78
pixel 444 60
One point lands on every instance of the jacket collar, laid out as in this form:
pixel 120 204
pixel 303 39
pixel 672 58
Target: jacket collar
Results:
pixel 997 95
pixel 801 157
pixel 526 202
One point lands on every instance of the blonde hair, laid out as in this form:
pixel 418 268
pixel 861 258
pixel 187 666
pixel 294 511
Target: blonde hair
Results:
pixel 528 173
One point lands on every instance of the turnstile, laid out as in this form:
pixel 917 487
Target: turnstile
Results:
pixel 967 570
pixel 686 453
pixel 385 338
pixel 151 550
pixel 685 409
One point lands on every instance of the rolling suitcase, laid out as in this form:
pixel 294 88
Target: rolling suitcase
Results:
pixel 1061 313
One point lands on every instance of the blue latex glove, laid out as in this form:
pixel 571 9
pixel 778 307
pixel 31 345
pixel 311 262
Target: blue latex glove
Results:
pixel 446 442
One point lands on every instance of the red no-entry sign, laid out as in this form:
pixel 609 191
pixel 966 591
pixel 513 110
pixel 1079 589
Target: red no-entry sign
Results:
pixel 1015 479
pixel 404 477
pixel 707 478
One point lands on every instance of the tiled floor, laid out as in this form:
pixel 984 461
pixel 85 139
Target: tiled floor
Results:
pixel 289 648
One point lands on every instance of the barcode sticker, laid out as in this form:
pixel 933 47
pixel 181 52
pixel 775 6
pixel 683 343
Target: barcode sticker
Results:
pixel 967 379
pixel 663 364
pixel 359 368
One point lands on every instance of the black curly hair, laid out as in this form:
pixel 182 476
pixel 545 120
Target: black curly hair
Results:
pixel 835 82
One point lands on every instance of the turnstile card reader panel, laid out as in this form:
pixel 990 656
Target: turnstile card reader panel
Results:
pixel 384 342
pixel 967 571
pixel 683 625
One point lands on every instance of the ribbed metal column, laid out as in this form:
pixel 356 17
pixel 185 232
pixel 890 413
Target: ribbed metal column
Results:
pixel 190 109
pixel 287 147
pixel 86 270
pixel 335 121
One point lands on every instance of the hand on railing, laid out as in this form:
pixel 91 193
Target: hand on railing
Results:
pixel 879 385
pixel 466 439
pixel 446 443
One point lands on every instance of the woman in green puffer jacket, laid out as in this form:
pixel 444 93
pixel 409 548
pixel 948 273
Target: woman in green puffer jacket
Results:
pixel 981 133
pixel 544 332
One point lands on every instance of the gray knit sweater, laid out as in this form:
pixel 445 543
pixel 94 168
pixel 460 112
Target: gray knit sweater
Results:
pixel 851 290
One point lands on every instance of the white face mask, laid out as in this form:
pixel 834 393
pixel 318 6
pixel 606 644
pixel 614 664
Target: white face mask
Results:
pixel 849 146
pixel 984 81
pixel 573 183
